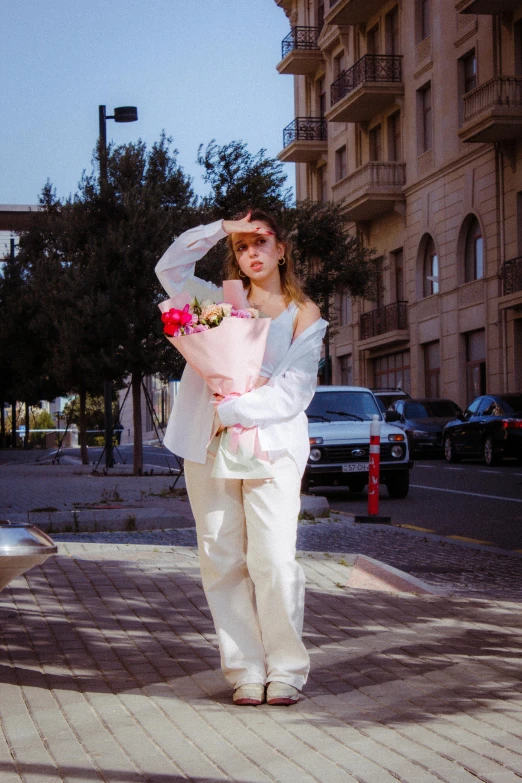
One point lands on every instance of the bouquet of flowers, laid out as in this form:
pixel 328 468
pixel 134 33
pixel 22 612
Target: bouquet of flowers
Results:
pixel 225 344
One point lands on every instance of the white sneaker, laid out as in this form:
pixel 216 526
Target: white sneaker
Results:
pixel 281 693
pixel 252 693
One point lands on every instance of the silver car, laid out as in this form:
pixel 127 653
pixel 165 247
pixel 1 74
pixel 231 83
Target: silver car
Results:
pixel 339 420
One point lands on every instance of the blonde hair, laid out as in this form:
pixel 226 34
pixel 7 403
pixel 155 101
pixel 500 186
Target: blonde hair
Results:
pixel 290 283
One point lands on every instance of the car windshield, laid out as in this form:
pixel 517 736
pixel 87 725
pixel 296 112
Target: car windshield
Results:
pixel 343 406
pixel 427 410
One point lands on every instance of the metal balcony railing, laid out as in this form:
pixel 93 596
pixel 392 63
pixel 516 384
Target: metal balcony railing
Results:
pixel 383 319
pixel 512 276
pixel 370 68
pixel 500 91
pixel 300 38
pixel 305 129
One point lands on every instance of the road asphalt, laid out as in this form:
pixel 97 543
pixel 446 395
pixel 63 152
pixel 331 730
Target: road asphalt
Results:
pixel 109 669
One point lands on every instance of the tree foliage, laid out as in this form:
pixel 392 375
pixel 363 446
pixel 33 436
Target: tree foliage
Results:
pixel 239 180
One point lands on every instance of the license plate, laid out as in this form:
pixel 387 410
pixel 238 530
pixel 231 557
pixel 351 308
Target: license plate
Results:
pixel 356 467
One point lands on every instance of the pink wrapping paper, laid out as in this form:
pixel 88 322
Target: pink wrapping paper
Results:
pixel 229 356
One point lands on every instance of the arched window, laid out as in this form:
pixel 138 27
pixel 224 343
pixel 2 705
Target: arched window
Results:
pixel 430 269
pixel 473 252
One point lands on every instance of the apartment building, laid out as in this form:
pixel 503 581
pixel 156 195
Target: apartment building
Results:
pixel 410 112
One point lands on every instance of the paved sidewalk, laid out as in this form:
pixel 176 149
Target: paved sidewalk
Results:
pixel 109 672
pixel 146 513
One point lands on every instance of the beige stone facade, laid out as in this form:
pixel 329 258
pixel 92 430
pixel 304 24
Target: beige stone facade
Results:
pixel 412 113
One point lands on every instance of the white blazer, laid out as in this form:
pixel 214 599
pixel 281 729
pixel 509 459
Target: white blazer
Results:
pixel 277 408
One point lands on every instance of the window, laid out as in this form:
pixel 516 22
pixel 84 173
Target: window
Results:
pixel 394 137
pixel 372 40
pixel 425 119
pixel 398 272
pixel 473 253
pixel 320 15
pixel 475 363
pixel 322 185
pixel 430 270
pixel 392 372
pixel 519 223
pixel 432 369
pixel 321 97
pixel 340 163
pixel 358 146
pixel 392 31
pixel 469 63
pixel 339 64
pixel 423 19
pixel 517 40
pixel 345 308
pixel 467 79
pixel 379 282
pixel 345 370
pixel 376 143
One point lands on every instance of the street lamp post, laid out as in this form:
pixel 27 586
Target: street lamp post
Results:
pixel 121 114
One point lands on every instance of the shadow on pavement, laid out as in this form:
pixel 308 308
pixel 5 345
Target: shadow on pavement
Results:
pixel 113 626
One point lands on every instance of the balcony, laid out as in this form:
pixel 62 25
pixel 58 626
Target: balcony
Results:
pixel 511 284
pixel 493 111
pixel 366 89
pixel 392 318
pixel 300 52
pixel 485 6
pixel 372 190
pixel 352 11
pixel 304 140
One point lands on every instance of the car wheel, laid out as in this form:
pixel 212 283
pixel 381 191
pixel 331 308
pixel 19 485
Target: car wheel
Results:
pixel 398 485
pixel 490 457
pixel 449 451
pixel 357 485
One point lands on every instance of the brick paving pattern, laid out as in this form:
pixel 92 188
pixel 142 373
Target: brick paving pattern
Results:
pixel 109 668
pixel 109 672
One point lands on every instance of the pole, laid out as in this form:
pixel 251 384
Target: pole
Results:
pixel 375 461
pixel 13 402
pixel 374 476
pixel 107 383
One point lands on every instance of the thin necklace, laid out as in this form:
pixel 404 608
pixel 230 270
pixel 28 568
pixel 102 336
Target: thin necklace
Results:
pixel 261 304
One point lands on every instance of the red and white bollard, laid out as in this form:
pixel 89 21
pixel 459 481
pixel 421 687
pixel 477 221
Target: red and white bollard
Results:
pixel 374 476
pixel 375 461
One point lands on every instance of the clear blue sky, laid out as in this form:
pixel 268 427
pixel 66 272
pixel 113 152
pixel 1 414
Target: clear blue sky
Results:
pixel 200 69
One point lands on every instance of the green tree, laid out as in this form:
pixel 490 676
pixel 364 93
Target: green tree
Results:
pixel 329 260
pixel 238 180
pixel 147 202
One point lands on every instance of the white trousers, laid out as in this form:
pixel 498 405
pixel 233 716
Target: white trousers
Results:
pixel 254 586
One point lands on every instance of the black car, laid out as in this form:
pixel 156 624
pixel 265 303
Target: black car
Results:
pixel 423 421
pixel 491 428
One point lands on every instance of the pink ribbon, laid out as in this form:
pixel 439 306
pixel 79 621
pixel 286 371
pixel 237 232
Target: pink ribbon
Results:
pixel 248 436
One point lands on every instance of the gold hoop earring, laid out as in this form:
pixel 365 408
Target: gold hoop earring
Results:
pixel 241 274
pixel 282 261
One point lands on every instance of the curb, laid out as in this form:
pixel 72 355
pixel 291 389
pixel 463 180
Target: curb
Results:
pixel 371 574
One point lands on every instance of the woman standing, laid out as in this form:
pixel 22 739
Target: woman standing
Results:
pixel 247 528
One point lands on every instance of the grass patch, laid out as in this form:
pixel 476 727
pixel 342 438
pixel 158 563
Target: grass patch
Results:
pixel 111 495
pixel 170 492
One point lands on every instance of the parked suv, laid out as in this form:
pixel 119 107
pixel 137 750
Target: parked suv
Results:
pixel 339 428
pixel 387 396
